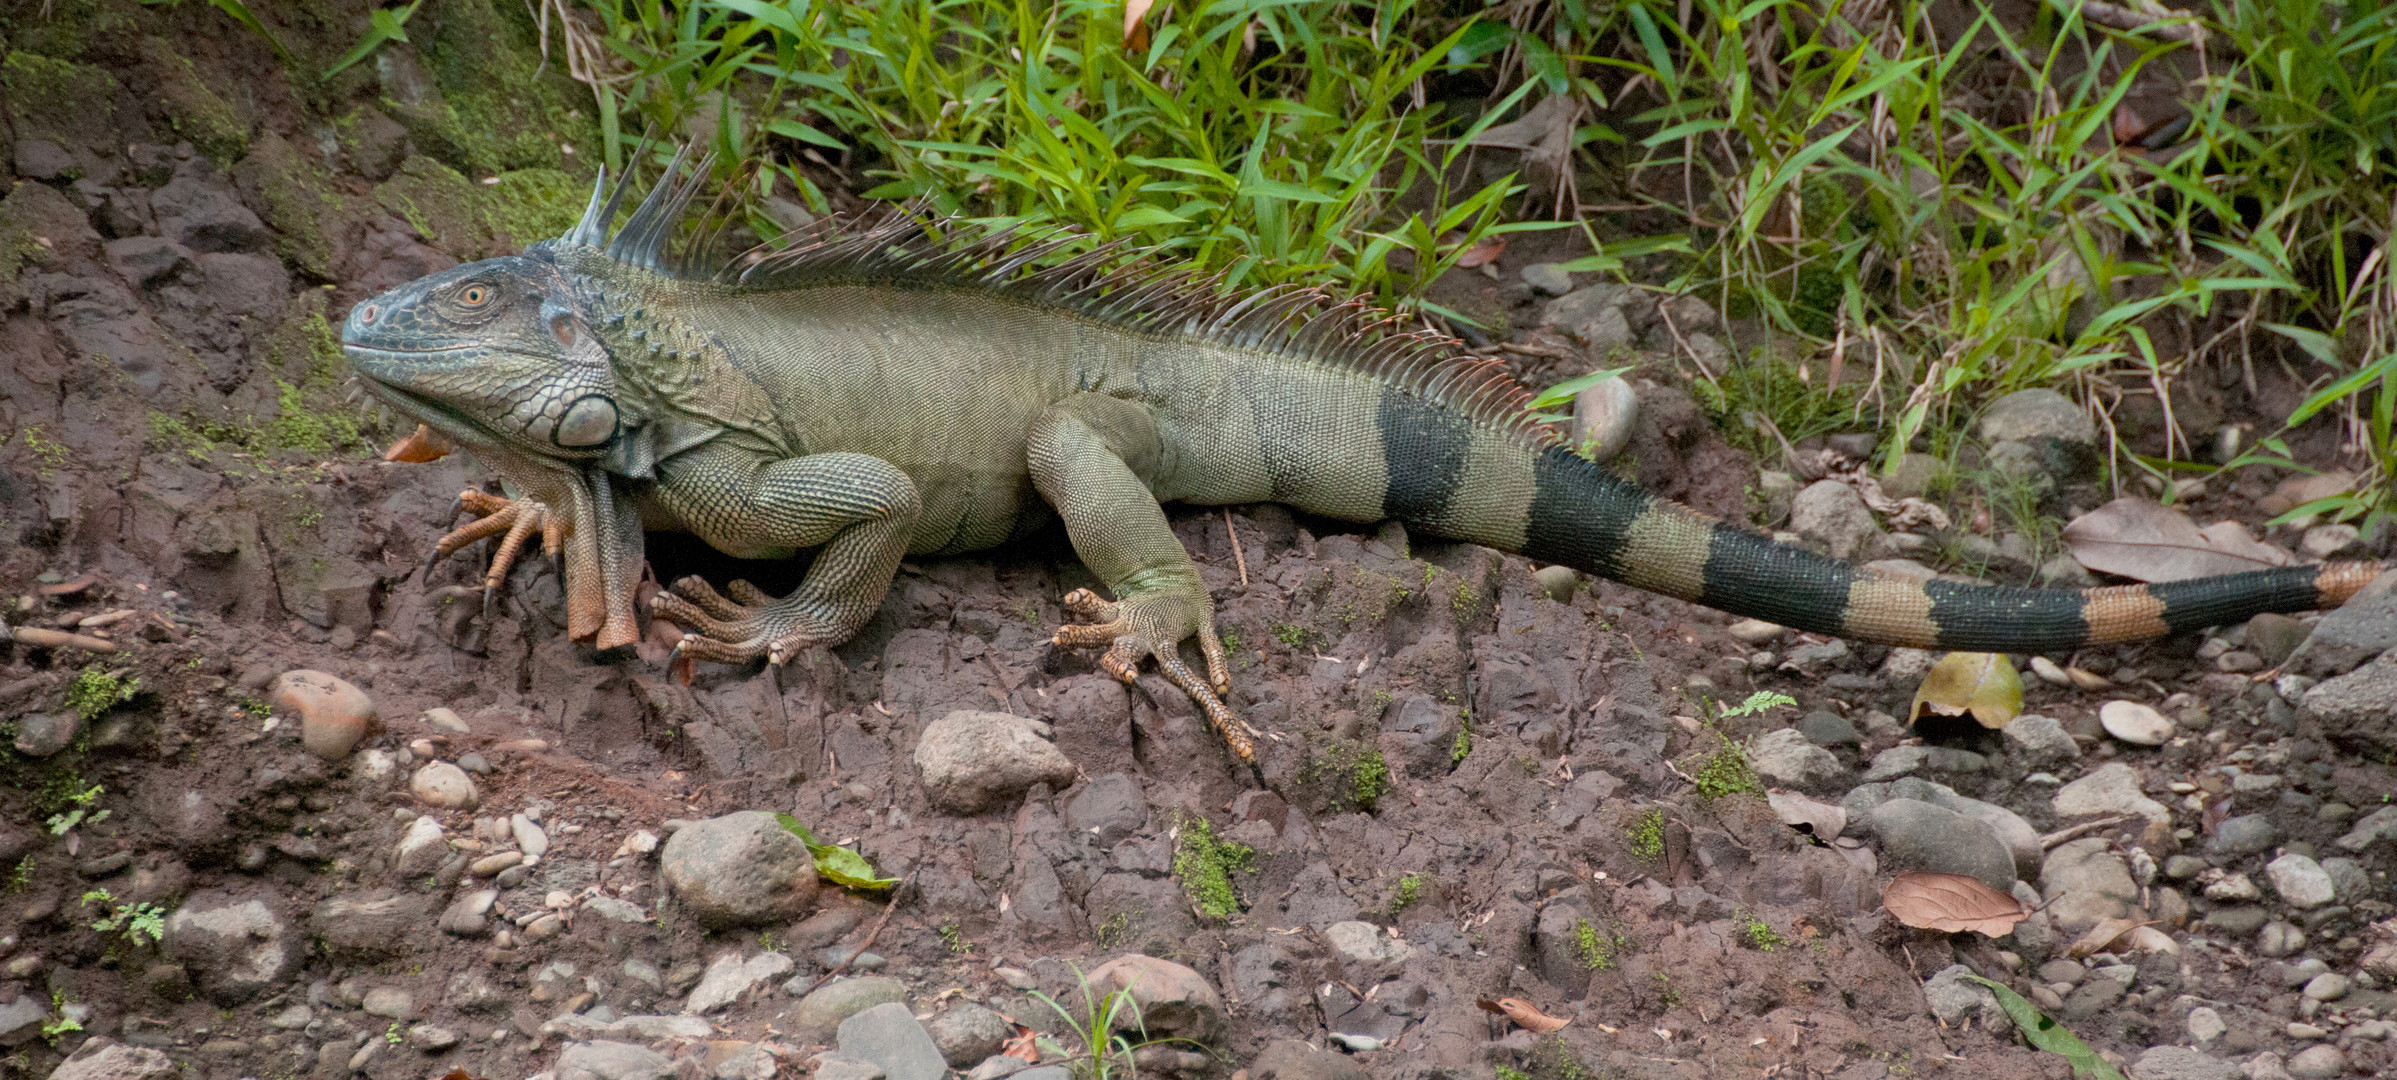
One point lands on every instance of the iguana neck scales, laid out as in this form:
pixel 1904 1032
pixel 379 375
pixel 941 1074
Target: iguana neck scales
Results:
pixel 883 390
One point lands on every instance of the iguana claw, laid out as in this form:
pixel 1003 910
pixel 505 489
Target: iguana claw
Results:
pixel 514 521
pixel 732 630
pixel 1153 624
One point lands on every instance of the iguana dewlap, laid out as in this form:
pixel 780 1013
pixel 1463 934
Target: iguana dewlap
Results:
pixel 878 392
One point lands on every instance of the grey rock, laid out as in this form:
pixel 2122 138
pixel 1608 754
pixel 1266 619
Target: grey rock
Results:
pixel 604 1059
pixel 1592 316
pixel 1290 1059
pixel 99 1059
pixel 432 1038
pixel 1365 951
pixel 530 838
pixel 1954 997
pixel 2084 882
pixel 1175 1001
pixel 819 1014
pixel 1547 279
pixel 2243 835
pixel 420 850
pixel 2349 880
pixel 238 945
pixel 890 1036
pixel 1833 514
pixel 1895 762
pixel 390 1002
pixel 2020 839
pixel 2318 1063
pixel 2378 825
pixel 2279 939
pixel 1920 836
pixel 1110 808
pixel 2237 921
pixel 2353 709
pixel 206 216
pixel 1823 727
pixel 40 735
pixel 2204 1024
pixel 2027 415
pixel 1604 416
pixel 2274 637
pixel 971 761
pixel 2360 629
pixel 615 910
pixel 967 1033
pixel 2328 986
pixel 2266 1066
pixel 21 1019
pixel 2099 991
pixel 839 1066
pixel 42 159
pixel 996 1066
pixel 368 926
pixel 2182 1063
pixel 1784 757
pixel 2112 788
pixel 742 869
pixel 730 976
pixel 2301 882
pixel 469 914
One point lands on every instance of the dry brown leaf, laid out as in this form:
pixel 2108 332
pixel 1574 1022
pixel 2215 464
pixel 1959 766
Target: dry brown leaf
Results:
pixel 2145 540
pixel 1983 684
pixel 2102 935
pixel 1020 1045
pixel 1485 252
pixel 1951 903
pixel 1823 820
pixel 1525 1015
pixel 1136 32
pixel 419 446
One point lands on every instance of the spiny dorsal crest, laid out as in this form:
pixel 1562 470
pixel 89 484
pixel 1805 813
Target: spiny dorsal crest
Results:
pixel 1111 283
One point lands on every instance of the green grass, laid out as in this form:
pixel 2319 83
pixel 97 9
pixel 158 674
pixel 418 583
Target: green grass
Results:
pixel 1926 221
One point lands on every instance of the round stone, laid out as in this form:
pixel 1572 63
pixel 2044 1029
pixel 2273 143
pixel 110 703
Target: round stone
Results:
pixel 2135 723
pixel 2318 1063
pixel 2301 882
pixel 1603 418
pixel 334 715
pixel 444 785
pixel 742 869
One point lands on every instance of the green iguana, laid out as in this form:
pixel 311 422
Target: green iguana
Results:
pixel 878 392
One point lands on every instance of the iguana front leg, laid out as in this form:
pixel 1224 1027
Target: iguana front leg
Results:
pixel 1088 454
pixel 514 521
pixel 860 509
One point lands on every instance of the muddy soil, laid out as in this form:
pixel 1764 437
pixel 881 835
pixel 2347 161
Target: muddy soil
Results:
pixel 1491 772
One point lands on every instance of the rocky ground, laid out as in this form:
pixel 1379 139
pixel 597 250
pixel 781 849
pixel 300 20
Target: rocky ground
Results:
pixel 274 809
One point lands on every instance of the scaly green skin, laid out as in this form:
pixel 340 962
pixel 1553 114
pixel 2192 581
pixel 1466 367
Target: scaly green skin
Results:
pixel 878 394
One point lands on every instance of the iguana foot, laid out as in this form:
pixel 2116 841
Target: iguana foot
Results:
pixel 736 629
pixel 514 521
pixel 1154 624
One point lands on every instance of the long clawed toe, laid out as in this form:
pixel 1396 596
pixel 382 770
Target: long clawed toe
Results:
pixel 729 630
pixel 1118 627
pixel 513 521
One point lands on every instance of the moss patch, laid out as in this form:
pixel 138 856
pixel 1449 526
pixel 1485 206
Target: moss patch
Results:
pixel 532 204
pixel 1647 835
pixel 215 126
pixel 497 108
pixel 298 199
pixel 69 103
pixel 1205 865
pixel 439 203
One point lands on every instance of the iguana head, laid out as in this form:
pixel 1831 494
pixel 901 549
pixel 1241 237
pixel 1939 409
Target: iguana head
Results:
pixel 496 355
pixel 500 357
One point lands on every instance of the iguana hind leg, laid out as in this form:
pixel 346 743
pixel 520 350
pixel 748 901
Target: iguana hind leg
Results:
pixel 860 509
pixel 1087 455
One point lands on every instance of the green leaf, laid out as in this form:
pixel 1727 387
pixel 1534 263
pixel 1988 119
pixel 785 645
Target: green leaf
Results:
pixel 383 24
pixel 839 865
pixel 240 13
pixel 1564 392
pixel 2046 1034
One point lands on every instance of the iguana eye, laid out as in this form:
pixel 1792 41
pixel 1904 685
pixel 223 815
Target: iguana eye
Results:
pixel 475 295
